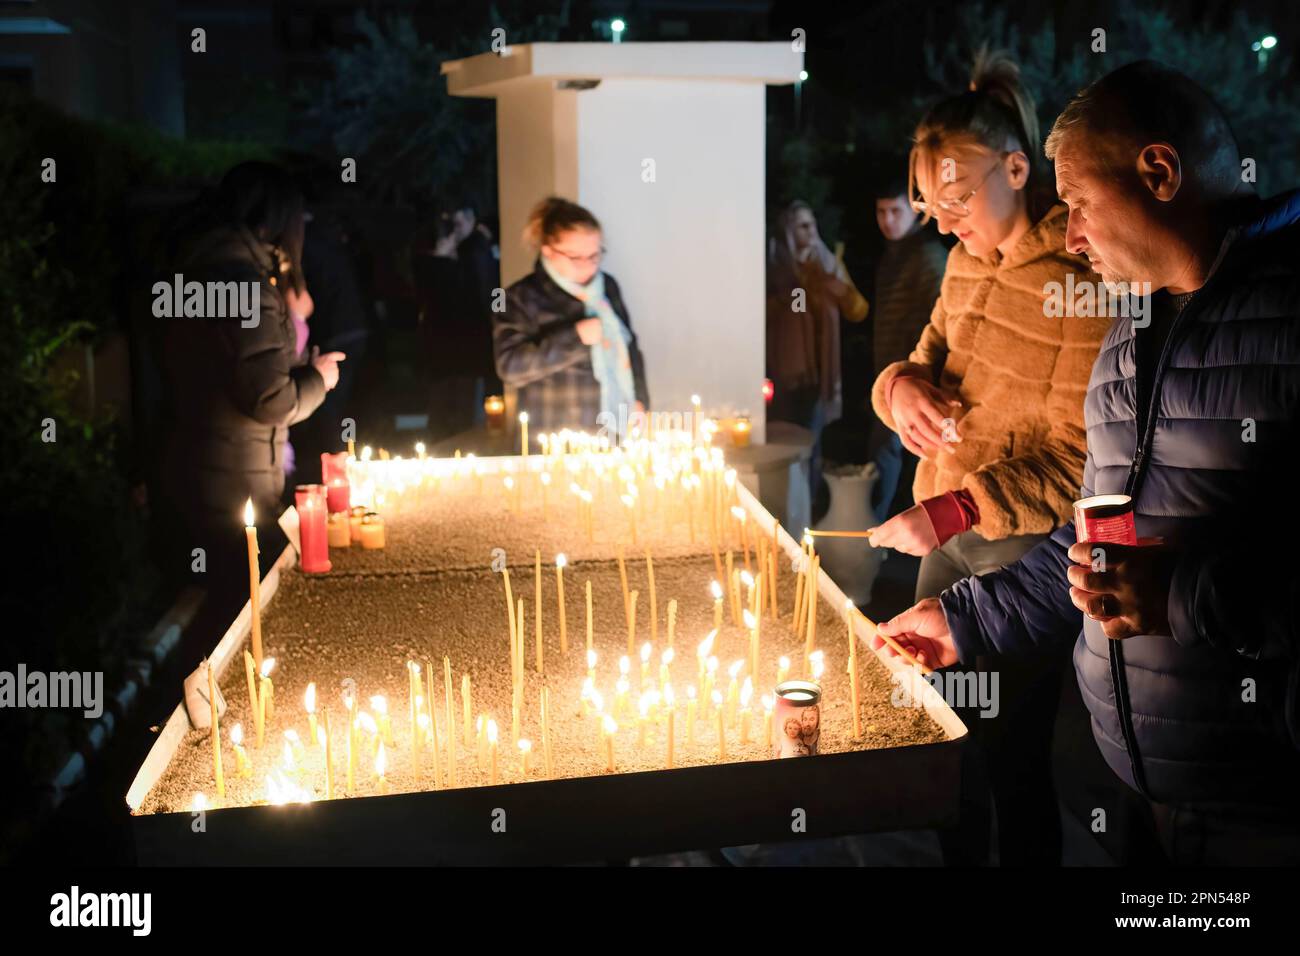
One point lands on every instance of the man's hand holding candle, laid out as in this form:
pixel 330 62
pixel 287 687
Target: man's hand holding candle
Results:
pixel 1127 590
pixel 922 631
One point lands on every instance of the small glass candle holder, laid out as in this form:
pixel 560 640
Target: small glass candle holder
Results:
pixel 741 427
pixel 494 407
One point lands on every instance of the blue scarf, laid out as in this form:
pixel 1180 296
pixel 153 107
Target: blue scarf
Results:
pixel 610 360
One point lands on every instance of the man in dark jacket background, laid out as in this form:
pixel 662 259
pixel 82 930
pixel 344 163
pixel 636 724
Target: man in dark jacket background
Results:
pixel 908 277
pixel 1188 656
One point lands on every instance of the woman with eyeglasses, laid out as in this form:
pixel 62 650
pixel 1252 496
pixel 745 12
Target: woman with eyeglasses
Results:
pixel 564 341
pixel 991 402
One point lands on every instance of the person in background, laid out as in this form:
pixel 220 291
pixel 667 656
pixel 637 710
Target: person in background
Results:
pixel 908 275
pixel 809 291
pixel 565 342
pixel 991 401
pixel 233 391
pixel 454 327
pixel 1188 657
pixel 339 321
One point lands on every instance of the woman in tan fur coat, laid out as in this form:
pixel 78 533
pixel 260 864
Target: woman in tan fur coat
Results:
pixel 991 400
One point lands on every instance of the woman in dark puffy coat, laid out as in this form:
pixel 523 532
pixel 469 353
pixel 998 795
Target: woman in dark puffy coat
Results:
pixel 565 342
pixel 235 384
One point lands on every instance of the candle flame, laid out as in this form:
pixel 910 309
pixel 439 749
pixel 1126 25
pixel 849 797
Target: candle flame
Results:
pixel 546 478
pixel 646 650
pixel 750 622
pixel 670 700
pixel 591 659
pixel 624 664
pixel 746 692
pixel 523 418
pixel 525 744
pixel 706 645
pixel 717 698
pixel 367 723
pixel 666 657
pixel 738 513
pixel 734 670
pixel 268 665
pixel 609 724
pixel 309 700
pixel 746 579
pixel 690 691
pixel 200 802
pixel 768 702
pixel 381 760
pixel 785 663
pixel 248 513
pixel 716 589
pixel 379 704
pixel 561 561
pixel 492 731
pixel 237 734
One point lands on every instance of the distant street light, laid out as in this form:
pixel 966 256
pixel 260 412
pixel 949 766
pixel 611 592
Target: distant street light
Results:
pixel 1261 47
pixel 617 26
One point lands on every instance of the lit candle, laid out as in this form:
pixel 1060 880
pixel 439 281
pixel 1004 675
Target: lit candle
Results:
pixel 242 766
pixel 492 750
pixel 434 744
pixel 782 669
pixel 733 689
pixel 525 751
pixel 254 585
pixel 631 622
pixel 731 591
pixel 350 702
pixel 627 598
pixel 670 704
pixel 665 659
pixel 818 665
pixel 690 714
pixel 372 532
pixel 722 728
pixel 451 724
pixel 381 764
pixel 252 696
pixel 216 734
pixel 769 701
pixel 537 601
pixel 560 562
pixel 266 693
pixel 480 737
pixel 467 711
pixel 591 664
pixel 716 589
pixel 631 516
pixel 589 632
pixel 509 483
pixel 546 730
pixel 545 478
pixel 523 435
pixel 494 407
pixel 329 760
pixel 379 704
pixel 646 651
pixel 610 728
pixel 740 432
pixel 746 692
pixel 654 603
pixel 643 712
pixel 340 530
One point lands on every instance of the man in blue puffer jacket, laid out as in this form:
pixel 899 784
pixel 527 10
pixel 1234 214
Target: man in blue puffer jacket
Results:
pixel 1188 656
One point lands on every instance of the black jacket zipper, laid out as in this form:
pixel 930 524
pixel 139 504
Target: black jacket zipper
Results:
pixel 1137 472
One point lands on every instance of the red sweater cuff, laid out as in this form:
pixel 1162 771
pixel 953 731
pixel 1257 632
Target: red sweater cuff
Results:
pixel 952 513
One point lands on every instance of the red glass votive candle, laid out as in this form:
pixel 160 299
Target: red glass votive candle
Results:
pixel 1105 518
pixel 313 530
pixel 334 476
